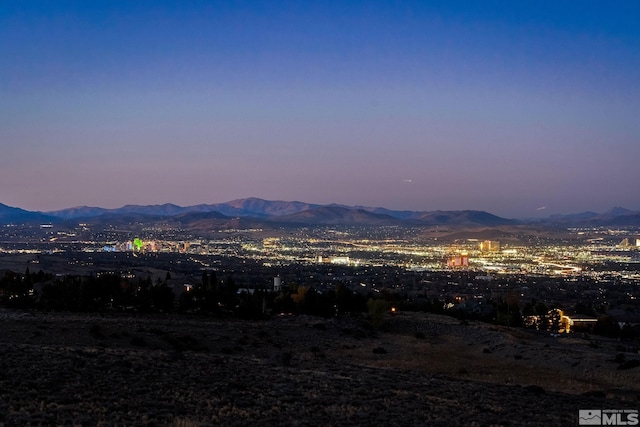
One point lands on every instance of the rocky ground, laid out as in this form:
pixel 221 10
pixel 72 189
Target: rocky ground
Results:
pixel 85 370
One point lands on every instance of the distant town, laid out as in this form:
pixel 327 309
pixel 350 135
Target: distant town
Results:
pixel 563 279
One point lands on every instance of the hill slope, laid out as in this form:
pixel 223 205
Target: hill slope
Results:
pixel 11 215
pixel 334 215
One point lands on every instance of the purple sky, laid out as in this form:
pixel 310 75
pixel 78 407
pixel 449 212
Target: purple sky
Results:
pixel 501 106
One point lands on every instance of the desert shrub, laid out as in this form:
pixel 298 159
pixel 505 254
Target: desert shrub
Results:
pixel 378 309
pixel 96 331
pixel 282 359
pixel 535 389
pixel 607 326
pixel 185 422
pixel 629 364
pixel 595 393
pixel 620 358
pixel 138 341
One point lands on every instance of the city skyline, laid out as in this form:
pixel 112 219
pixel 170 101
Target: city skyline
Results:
pixel 521 110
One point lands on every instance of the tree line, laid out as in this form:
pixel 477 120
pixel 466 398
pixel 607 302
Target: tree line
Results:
pixel 223 297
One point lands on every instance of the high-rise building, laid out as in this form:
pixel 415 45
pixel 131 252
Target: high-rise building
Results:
pixel 461 260
pixel 489 246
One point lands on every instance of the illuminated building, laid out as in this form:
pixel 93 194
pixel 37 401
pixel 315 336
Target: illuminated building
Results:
pixel 489 246
pixel 342 260
pixel 461 260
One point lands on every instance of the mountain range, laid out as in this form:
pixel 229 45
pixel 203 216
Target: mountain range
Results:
pixel 258 211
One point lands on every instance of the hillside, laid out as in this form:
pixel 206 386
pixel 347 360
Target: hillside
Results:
pixel 254 206
pixel 9 215
pixel 466 217
pixel 335 215
pixel 67 369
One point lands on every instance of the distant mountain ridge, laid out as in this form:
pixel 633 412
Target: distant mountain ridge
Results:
pixel 338 215
pixel 262 207
pixel 616 217
pixel 78 212
pixel 10 215
pixel 466 217
pixel 297 213
pixel 241 207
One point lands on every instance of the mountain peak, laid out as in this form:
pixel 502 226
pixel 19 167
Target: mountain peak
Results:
pixel 260 207
pixel 618 211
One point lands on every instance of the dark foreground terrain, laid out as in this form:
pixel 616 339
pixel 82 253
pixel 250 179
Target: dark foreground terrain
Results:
pixel 67 369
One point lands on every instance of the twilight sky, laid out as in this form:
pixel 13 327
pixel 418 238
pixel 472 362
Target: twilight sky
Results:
pixel 504 106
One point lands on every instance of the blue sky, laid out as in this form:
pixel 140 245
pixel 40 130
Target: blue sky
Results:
pixel 501 106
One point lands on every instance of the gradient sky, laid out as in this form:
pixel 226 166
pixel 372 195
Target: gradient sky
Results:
pixel 504 106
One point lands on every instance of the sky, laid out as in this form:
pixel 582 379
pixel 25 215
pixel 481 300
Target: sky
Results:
pixel 520 108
